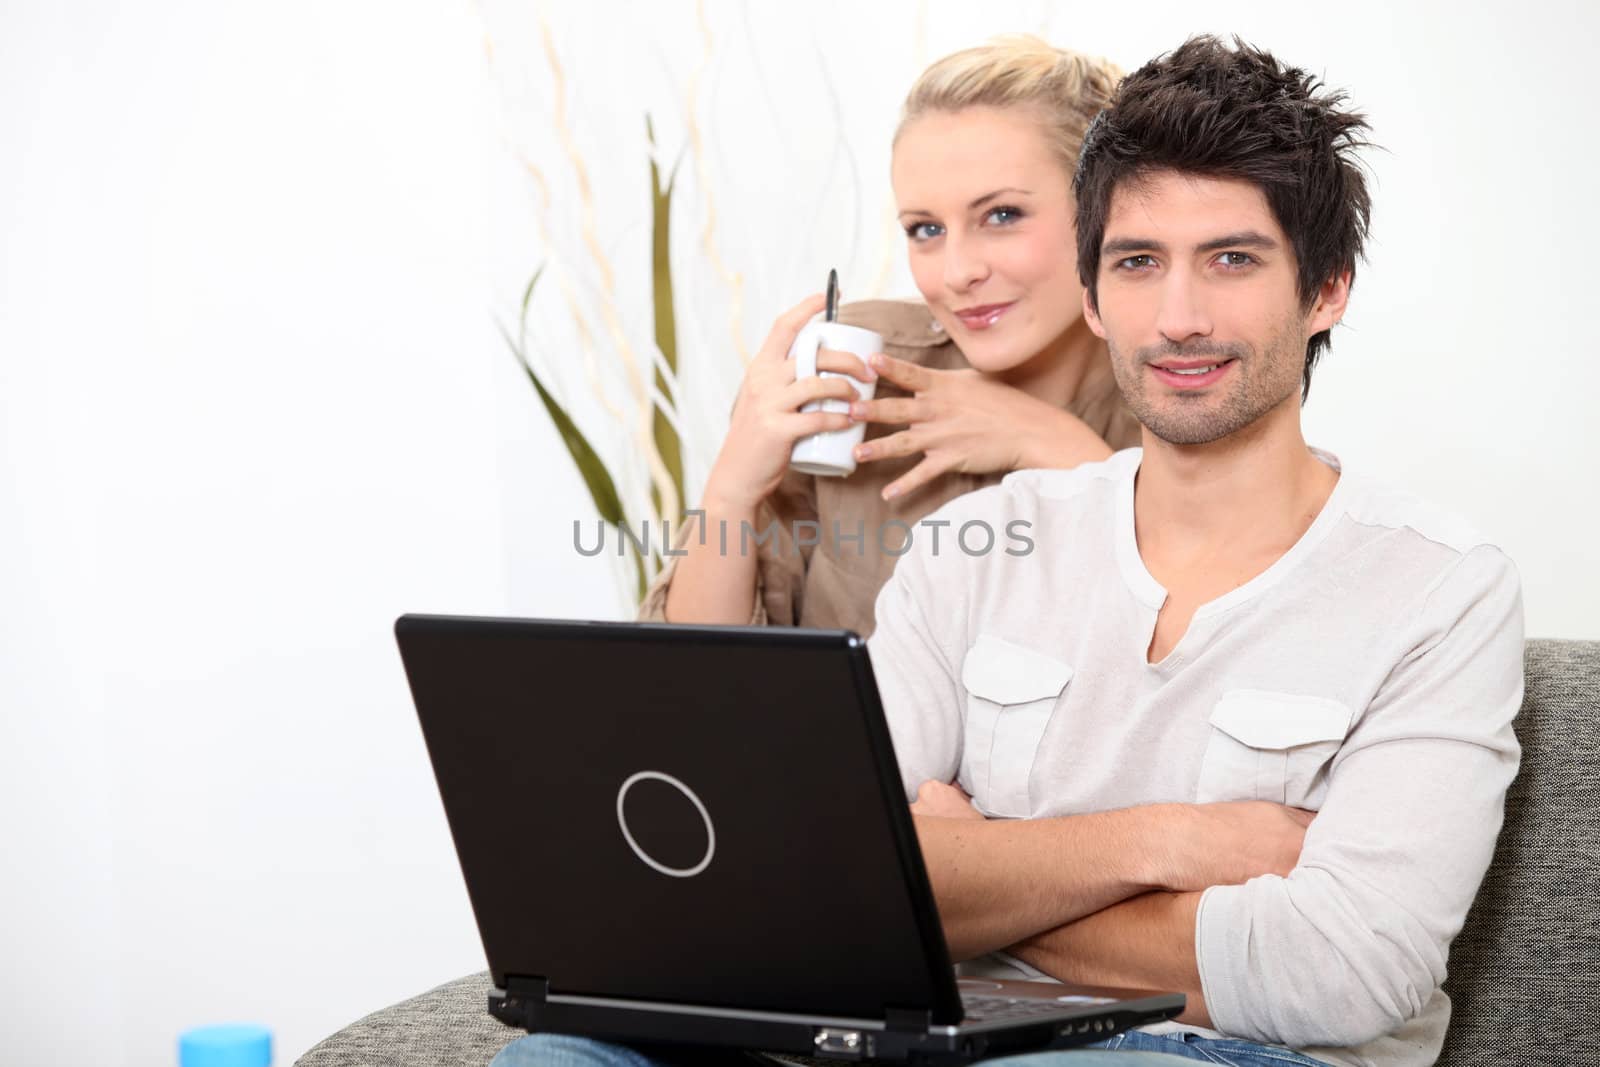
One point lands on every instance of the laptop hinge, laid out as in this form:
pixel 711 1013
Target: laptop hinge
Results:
pixel 910 1020
pixel 535 988
pixel 517 1005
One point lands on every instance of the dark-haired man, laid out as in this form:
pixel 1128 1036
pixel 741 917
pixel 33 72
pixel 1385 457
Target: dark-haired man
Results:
pixel 1218 635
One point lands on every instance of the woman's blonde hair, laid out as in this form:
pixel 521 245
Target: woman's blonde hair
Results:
pixel 1065 88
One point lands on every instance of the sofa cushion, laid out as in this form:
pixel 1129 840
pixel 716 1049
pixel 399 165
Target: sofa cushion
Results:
pixel 445 1027
pixel 1521 969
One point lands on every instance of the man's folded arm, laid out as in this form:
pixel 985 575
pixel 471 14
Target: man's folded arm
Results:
pixel 1352 943
pixel 997 882
pixel 1143 943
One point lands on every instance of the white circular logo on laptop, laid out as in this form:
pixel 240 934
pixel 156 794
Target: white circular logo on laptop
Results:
pixel 649 860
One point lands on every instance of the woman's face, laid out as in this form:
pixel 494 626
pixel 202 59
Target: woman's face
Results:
pixel 988 212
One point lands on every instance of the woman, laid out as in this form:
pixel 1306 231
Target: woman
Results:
pixel 995 370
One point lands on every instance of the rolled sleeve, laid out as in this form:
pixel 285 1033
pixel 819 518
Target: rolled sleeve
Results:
pixel 781 563
pixel 1353 943
pixel 653 608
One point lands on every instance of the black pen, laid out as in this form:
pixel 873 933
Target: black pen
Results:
pixel 832 312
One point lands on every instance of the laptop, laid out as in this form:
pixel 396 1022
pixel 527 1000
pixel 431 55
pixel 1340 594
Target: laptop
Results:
pixel 697 835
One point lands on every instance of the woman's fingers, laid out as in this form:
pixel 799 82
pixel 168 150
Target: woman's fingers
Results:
pixel 845 363
pixel 907 375
pixel 789 325
pixel 892 446
pixel 805 390
pixel 894 409
pixel 916 477
pixel 805 423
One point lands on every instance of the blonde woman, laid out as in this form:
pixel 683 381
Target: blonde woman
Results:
pixel 993 370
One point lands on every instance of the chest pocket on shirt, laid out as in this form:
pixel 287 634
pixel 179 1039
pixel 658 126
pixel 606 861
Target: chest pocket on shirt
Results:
pixel 1011 693
pixel 1271 746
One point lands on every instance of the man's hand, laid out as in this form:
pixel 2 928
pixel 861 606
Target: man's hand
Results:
pixel 941 801
pixel 1229 843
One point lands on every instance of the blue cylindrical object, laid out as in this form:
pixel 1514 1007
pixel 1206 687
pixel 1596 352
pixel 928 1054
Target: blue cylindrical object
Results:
pixel 232 1045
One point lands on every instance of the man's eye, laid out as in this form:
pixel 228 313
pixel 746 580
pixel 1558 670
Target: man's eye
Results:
pixel 924 231
pixel 1135 262
pixel 1236 259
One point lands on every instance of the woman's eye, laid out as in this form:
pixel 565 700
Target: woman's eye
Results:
pixel 1004 215
pixel 923 231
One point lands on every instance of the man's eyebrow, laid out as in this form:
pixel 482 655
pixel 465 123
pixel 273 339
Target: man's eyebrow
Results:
pixel 1242 239
pixel 1123 246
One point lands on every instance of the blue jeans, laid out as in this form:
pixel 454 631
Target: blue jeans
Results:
pixel 1224 1050
pixel 1132 1049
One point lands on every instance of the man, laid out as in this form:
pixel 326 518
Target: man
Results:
pixel 1216 635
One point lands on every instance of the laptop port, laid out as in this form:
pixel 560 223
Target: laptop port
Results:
pixel 831 1042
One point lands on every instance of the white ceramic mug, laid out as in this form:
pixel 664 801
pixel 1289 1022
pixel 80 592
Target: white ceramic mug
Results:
pixel 831 454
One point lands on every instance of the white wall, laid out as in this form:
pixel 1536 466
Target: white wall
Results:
pixel 249 406
pixel 253 407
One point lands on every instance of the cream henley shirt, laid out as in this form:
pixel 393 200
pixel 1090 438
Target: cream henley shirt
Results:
pixel 1370 674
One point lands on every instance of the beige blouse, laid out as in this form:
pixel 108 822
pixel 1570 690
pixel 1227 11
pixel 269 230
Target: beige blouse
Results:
pixel 834 583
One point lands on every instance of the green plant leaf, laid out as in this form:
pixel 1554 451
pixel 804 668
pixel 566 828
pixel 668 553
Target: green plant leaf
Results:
pixel 666 326
pixel 602 489
pixel 522 315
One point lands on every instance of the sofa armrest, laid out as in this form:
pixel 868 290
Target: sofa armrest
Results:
pixel 445 1027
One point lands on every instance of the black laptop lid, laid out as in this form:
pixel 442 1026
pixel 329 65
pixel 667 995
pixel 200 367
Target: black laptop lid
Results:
pixel 702 815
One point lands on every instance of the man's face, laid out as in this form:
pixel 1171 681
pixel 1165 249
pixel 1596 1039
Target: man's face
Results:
pixel 1197 303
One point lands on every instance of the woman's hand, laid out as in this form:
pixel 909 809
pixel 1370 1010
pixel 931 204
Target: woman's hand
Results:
pixel 958 420
pixel 767 419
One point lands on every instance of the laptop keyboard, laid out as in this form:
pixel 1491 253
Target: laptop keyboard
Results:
pixel 983 1008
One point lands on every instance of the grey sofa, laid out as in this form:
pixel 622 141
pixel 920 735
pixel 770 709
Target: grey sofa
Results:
pixel 1521 972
